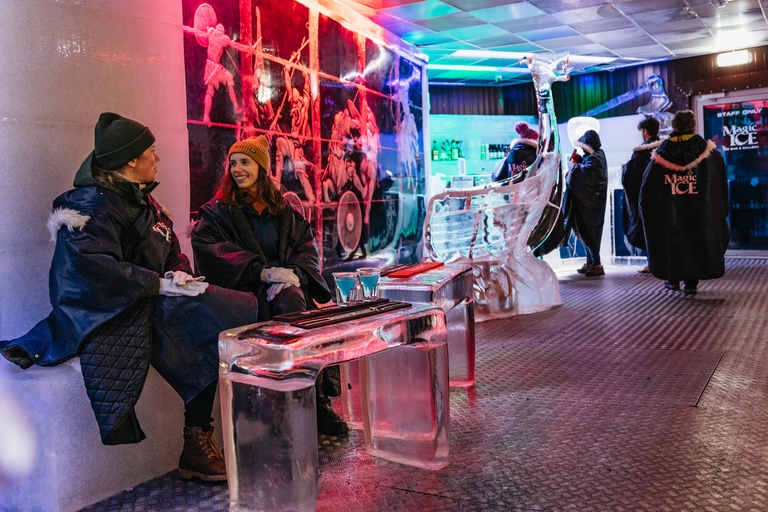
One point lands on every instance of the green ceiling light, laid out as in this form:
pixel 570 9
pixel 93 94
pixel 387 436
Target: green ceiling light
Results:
pixel 734 58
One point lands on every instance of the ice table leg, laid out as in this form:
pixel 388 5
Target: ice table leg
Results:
pixel 460 323
pixel 405 404
pixel 350 394
pixel 270 439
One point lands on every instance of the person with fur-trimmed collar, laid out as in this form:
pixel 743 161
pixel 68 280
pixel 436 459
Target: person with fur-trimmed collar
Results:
pixel 684 205
pixel 632 178
pixel 585 197
pixel 522 153
pixel 124 297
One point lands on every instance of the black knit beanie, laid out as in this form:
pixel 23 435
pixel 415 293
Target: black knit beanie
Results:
pixel 118 140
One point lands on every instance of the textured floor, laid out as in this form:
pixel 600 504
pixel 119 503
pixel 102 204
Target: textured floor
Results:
pixel 627 397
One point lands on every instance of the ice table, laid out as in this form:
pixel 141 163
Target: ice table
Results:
pixel 449 287
pixel 268 372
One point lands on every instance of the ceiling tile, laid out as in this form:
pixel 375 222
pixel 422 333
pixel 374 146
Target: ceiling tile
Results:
pixel 651 51
pixel 667 38
pixel 593 13
pixel 421 10
pixel 507 12
pixel 500 40
pixel 403 28
pixel 590 27
pixel 385 20
pixel 709 10
pixel 548 33
pixel 452 45
pixel 476 32
pixel 652 18
pixel 675 26
pixel 740 18
pixel 536 22
pixel 470 5
pixel 450 22
pixel 634 7
pixel 552 6
pixel 612 36
pixel 427 38
pixel 565 43
pixel 522 48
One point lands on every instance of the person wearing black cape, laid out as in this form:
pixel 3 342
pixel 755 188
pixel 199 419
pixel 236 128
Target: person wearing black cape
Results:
pixel 522 153
pixel 684 205
pixel 585 196
pixel 250 238
pixel 632 178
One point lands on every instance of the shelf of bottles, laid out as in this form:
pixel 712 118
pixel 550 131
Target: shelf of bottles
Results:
pixel 451 150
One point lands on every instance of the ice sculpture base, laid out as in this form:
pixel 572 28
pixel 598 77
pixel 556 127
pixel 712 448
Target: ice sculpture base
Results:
pixel 449 287
pixel 268 371
pixel 515 285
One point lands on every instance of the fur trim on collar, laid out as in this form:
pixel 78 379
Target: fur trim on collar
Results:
pixel 72 219
pixel 652 145
pixel 529 142
pixel 679 168
pixel 584 146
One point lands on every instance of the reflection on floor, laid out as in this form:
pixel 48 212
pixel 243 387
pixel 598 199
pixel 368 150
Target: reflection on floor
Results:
pixel 627 397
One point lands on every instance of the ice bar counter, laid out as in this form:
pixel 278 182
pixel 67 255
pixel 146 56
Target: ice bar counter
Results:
pixel 449 287
pixel 268 373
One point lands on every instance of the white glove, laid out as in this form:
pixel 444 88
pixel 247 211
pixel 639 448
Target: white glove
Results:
pixel 180 277
pixel 190 288
pixel 276 288
pixel 280 275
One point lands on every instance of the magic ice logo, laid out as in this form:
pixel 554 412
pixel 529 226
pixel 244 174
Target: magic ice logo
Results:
pixel 679 185
pixel 163 230
pixel 741 135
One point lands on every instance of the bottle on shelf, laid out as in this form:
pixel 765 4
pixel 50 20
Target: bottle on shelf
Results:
pixel 461 150
pixel 454 150
pixel 442 152
pixel 435 152
pixel 482 152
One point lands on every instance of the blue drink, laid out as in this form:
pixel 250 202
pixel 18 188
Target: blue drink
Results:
pixel 369 277
pixel 345 283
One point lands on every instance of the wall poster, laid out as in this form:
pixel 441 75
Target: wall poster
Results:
pixel 343 114
pixel 740 131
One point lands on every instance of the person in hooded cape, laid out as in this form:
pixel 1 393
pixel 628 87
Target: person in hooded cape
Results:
pixel 250 238
pixel 123 297
pixel 522 154
pixel 585 197
pixel 684 205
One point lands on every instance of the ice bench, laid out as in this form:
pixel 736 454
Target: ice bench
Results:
pixel 72 468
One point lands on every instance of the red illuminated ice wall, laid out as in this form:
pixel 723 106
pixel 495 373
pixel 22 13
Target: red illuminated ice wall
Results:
pixel 343 114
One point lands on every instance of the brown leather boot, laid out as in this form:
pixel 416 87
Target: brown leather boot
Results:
pixel 201 457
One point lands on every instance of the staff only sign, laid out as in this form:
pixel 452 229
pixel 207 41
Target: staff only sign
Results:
pixel 737 126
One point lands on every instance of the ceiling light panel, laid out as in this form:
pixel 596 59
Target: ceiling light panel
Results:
pixel 421 10
pixel 508 12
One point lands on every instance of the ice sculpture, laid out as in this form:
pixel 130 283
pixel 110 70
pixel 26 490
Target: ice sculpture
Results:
pixel 491 227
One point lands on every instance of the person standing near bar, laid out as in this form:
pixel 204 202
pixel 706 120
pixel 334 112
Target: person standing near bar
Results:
pixel 586 192
pixel 684 205
pixel 522 153
pixel 124 297
pixel 632 178
pixel 249 238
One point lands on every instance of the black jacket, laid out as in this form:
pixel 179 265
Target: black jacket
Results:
pixel 631 179
pixel 586 192
pixel 684 205
pixel 520 157
pixel 228 253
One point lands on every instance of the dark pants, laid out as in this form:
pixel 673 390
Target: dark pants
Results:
pixel 593 257
pixel 185 334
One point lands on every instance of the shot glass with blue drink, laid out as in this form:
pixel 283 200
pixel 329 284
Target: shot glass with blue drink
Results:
pixel 369 277
pixel 345 284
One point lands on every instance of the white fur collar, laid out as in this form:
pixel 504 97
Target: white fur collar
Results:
pixel 584 146
pixel 675 167
pixel 72 219
pixel 530 142
pixel 651 145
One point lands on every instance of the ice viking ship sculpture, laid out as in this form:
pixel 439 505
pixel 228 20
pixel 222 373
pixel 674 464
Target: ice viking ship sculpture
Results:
pixel 494 228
